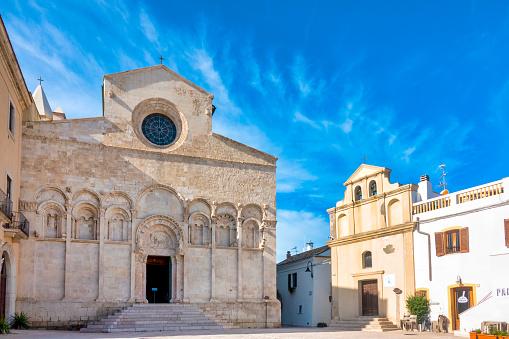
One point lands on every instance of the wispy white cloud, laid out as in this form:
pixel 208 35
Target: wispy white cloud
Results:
pixel 296 227
pixel 346 126
pixel 299 117
pixel 203 62
pixel 148 27
pixel 291 175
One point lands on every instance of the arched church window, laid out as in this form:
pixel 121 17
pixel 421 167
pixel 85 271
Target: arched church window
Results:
pixel 52 222
pixel 367 260
pixel 372 188
pixel 159 129
pixel 358 193
pixel 226 230
pixel 199 227
pixel 250 235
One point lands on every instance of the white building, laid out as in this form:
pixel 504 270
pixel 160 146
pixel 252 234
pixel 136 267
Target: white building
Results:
pixel 462 253
pixel 304 287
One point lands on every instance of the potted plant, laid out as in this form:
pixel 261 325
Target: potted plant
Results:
pixel 418 306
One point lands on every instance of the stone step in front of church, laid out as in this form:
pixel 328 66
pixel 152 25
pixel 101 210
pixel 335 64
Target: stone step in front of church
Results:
pixel 157 317
pixel 368 324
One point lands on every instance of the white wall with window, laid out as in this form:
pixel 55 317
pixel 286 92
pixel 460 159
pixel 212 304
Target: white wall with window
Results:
pixel 304 288
pixel 461 251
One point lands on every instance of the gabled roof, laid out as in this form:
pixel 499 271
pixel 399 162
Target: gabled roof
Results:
pixel 365 170
pixel 304 255
pixel 162 67
pixel 41 102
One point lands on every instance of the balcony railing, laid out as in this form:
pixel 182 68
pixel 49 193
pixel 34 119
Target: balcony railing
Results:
pixel 480 193
pixel 19 222
pixel 5 204
pixel 432 205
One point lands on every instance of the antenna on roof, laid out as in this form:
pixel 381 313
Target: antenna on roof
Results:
pixel 294 249
pixel 443 182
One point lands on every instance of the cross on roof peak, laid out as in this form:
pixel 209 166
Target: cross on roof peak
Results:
pixel 40 80
pixel 161 59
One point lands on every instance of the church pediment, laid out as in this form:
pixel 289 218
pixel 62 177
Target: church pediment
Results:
pixel 152 74
pixel 364 171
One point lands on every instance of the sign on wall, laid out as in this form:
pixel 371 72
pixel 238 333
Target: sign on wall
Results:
pixel 389 280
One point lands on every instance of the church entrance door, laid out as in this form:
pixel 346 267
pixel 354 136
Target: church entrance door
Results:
pixel 158 279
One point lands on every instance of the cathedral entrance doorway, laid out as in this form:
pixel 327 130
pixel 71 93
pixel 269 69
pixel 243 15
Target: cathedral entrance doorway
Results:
pixel 158 279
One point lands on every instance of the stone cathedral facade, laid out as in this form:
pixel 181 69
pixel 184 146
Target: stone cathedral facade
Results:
pixel 145 204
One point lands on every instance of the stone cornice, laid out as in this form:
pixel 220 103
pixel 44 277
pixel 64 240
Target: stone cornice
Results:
pixel 383 232
pixel 402 188
pixel 139 151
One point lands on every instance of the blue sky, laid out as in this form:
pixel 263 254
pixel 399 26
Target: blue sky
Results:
pixel 322 85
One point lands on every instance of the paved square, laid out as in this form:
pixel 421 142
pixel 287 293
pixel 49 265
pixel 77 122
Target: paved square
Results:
pixel 281 333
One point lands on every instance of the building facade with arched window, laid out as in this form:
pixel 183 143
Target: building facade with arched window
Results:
pixel 371 247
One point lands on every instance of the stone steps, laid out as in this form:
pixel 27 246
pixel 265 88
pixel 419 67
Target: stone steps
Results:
pixel 160 317
pixel 368 324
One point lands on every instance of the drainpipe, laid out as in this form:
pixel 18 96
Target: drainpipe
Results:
pixel 418 229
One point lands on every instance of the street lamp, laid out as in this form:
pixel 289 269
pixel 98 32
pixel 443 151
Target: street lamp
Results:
pixel 309 268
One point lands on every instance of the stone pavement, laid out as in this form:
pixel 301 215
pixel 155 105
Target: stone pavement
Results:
pixel 279 333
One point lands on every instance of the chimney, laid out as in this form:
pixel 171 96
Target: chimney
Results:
pixel 288 254
pixel 425 188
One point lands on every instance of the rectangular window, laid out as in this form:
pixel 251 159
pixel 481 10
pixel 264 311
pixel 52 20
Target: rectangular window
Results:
pixel 300 309
pixel 452 241
pixel 12 117
pixel 292 281
pixel 9 187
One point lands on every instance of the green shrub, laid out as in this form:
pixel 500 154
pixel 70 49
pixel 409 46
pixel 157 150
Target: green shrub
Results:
pixel 19 321
pixel 419 306
pixel 4 327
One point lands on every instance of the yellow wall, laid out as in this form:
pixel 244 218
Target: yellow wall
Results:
pixel 380 224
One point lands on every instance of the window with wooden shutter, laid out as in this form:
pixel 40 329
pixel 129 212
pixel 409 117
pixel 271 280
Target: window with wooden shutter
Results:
pixel 464 246
pixel 506 227
pixel 439 244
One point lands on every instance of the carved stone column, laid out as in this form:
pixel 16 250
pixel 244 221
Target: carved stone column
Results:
pixel 213 220
pixel 100 234
pixel 140 279
pixel 67 264
pixel 239 252
pixel 131 237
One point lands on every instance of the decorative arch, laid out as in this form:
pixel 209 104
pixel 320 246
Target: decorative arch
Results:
pixel 342 225
pixel 118 198
pixel 118 223
pixel 88 196
pixel 395 212
pixel 199 205
pixel 85 220
pixel 199 229
pixel 160 235
pixel 226 225
pixel 160 200
pixel 53 217
pixel 252 211
pixel 251 233
pixel 51 193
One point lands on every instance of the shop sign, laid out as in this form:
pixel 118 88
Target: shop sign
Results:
pixel 502 292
